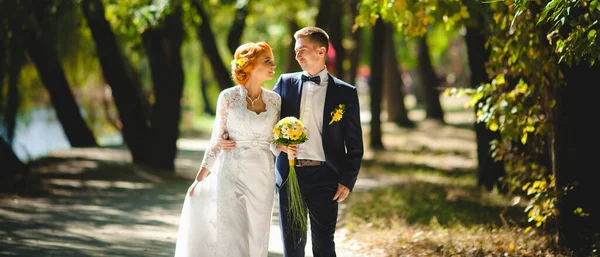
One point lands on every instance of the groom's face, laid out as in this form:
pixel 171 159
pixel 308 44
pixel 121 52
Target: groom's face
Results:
pixel 309 55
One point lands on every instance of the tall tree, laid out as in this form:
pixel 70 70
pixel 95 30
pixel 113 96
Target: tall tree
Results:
pixel 238 26
pixel 354 53
pixel 323 19
pixel 151 141
pixel 204 88
pixel 16 23
pixel 209 46
pixel 163 48
pixel 41 46
pixel 336 37
pixel 430 85
pixel 129 104
pixel 3 53
pixel 393 84
pixel 490 172
pixel 376 85
pixel 291 64
pixel 578 220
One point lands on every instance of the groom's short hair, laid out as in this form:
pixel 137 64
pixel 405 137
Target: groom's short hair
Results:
pixel 316 35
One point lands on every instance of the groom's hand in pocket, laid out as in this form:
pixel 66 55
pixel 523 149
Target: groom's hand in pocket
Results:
pixel 341 194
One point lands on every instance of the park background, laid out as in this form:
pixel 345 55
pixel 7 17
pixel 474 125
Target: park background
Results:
pixel 106 107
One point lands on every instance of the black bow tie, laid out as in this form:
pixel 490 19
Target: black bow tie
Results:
pixel 315 79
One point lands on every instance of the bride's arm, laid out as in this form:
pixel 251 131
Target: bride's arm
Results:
pixel 216 145
pixel 275 148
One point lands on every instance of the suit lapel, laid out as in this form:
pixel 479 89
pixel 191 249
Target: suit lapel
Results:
pixel 330 98
pixel 295 94
pixel 298 93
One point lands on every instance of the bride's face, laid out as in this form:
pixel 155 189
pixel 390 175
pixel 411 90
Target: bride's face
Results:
pixel 265 66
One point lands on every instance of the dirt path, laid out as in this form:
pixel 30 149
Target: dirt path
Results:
pixel 97 204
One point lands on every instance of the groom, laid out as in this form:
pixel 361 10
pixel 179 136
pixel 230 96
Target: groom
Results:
pixel 327 164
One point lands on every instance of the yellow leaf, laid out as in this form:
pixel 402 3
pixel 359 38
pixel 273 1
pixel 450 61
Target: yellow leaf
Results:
pixel 447 92
pixel 493 126
pixel 530 128
pixel 524 138
pixel 500 80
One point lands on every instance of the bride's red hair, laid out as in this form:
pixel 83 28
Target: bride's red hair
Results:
pixel 244 60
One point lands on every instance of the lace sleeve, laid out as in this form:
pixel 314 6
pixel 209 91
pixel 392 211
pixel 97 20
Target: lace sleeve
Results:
pixel 277 106
pixel 219 127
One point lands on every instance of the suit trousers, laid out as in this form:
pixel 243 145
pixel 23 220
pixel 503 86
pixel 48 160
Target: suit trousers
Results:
pixel 318 185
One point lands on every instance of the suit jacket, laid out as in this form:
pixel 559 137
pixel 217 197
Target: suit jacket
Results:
pixel 342 140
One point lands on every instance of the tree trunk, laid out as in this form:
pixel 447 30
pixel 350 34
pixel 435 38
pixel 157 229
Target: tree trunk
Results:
pixel 489 171
pixel 204 89
pixel 3 58
pixel 336 37
pixel 376 84
pixel 322 20
pixel 16 58
pixel 429 82
pixel 131 111
pixel 237 28
pixel 576 186
pixel 163 48
pixel 209 46
pixel 354 55
pixel 14 172
pixel 42 51
pixel 291 64
pixel 393 84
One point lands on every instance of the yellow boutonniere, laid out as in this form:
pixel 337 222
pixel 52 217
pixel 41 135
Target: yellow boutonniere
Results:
pixel 337 113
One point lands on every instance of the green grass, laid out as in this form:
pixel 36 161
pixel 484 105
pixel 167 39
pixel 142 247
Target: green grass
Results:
pixel 430 213
pixel 424 197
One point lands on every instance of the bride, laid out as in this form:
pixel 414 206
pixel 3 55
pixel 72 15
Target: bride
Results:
pixel 227 210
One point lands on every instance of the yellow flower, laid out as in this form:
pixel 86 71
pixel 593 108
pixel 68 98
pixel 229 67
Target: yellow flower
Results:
pixel 337 113
pixel 288 131
pixel 241 62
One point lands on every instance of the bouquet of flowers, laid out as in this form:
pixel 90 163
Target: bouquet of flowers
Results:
pixel 291 131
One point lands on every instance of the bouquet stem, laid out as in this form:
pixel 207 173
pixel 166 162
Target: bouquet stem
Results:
pixel 297 213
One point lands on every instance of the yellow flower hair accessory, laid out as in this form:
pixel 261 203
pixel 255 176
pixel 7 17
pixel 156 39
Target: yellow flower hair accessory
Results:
pixel 337 113
pixel 241 62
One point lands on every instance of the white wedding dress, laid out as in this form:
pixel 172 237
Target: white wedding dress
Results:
pixel 229 214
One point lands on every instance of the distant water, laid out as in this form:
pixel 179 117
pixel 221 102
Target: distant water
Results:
pixel 39 132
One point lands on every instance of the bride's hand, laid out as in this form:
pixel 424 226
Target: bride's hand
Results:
pixel 226 144
pixel 291 149
pixel 192 188
pixel 201 176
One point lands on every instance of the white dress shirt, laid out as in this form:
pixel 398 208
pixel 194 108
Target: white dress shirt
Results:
pixel 312 104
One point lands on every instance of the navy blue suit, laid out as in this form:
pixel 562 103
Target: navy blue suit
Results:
pixel 343 147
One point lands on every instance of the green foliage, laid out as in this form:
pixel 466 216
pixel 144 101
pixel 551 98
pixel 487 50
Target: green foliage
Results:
pixel 133 17
pixel 524 70
pixel 412 17
pixel 574 28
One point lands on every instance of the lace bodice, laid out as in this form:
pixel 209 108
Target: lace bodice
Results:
pixel 243 125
